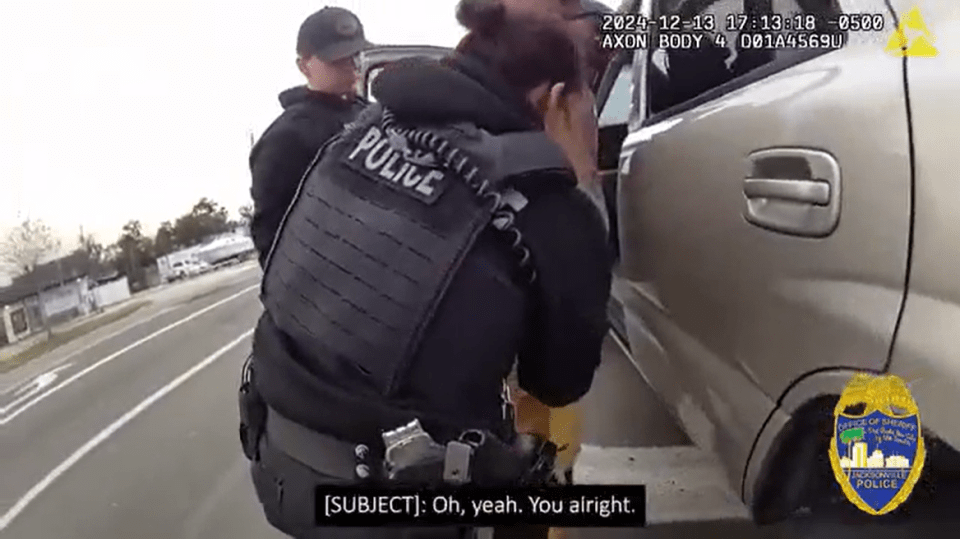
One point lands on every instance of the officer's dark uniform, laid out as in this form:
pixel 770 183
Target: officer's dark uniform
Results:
pixel 319 360
pixel 288 146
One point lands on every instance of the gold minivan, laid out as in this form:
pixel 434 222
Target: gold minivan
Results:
pixel 786 218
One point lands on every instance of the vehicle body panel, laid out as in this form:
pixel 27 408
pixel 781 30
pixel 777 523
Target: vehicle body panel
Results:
pixel 723 316
pixel 927 351
pixel 175 265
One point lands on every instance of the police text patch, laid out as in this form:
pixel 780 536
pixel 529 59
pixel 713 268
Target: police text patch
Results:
pixel 374 158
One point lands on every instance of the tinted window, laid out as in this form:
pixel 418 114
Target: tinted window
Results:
pixel 744 39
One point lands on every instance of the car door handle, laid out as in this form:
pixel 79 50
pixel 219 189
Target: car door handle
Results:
pixel 803 191
pixel 794 191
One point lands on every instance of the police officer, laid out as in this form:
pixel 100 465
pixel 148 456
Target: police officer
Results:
pixel 583 17
pixel 327 47
pixel 563 425
pixel 437 240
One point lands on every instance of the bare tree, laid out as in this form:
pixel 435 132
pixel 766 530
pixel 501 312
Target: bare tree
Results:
pixel 25 247
pixel 93 249
pixel 94 252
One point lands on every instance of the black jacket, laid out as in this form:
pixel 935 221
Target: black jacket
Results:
pixel 285 151
pixel 487 319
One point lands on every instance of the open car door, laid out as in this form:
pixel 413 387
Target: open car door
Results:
pixel 614 95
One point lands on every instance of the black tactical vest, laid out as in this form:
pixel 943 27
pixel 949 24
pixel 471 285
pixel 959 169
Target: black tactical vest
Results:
pixel 380 224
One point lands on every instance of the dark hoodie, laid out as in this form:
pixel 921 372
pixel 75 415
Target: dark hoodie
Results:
pixel 487 319
pixel 286 149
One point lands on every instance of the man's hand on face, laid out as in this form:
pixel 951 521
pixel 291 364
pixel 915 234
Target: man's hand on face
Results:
pixel 570 120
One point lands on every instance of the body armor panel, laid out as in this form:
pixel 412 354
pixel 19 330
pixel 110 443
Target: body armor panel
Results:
pixel 381 222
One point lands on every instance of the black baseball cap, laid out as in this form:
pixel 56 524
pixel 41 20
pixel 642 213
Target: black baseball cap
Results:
pixel 331 34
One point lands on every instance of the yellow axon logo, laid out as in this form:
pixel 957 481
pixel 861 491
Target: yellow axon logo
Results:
pixel 912 37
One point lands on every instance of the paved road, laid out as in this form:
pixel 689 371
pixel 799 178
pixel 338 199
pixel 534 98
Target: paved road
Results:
pixel 132 434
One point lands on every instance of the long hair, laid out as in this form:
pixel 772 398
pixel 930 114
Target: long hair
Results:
pixel 525 50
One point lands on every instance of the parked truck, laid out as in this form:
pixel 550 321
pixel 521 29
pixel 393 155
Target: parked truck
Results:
pixel 179 265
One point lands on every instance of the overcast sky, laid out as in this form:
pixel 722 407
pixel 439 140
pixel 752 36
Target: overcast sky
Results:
pixel 115 110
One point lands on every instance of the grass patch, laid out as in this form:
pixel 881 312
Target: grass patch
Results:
pixel 64 337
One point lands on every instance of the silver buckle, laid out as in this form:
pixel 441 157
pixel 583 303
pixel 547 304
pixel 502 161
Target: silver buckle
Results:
pixel 456 463
pixel 507 401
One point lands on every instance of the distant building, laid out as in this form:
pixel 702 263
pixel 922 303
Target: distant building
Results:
pixel 57 291
pixel 53 280
pixel 213 250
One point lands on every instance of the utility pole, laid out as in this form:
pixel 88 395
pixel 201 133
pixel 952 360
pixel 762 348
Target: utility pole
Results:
pixel 91 274
pixel 41 309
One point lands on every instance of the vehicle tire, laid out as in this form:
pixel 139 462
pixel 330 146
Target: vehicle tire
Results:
pixel 809 497
pixel 788 486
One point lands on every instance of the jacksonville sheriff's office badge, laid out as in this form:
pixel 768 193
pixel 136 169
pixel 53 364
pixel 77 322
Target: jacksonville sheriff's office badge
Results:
pixel 878 455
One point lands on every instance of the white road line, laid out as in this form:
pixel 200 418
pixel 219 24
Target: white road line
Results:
pixel 684 483
pixel 29 404
pixel 111 429
pixel 13 387
pixel 39 382
pixel 84 349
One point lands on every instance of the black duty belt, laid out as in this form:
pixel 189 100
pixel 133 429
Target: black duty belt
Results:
pixel 321 452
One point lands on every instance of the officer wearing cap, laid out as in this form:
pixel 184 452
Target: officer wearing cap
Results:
pixel 328 44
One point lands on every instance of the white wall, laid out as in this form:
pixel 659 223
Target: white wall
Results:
pixel 64 298
pixel 112 292
pixel 14 319
pixel 19 320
